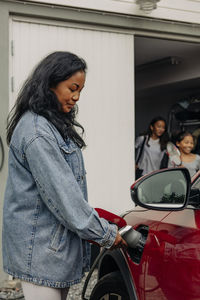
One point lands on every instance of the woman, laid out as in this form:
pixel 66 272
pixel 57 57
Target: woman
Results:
pixel 150 147
pixel 47 219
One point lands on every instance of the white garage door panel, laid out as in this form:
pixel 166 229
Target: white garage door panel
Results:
pixel 106 104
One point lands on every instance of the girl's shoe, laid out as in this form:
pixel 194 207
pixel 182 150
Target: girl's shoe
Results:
pixel 174 154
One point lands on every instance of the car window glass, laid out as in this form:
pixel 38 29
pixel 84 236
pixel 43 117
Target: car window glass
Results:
pixel 196 185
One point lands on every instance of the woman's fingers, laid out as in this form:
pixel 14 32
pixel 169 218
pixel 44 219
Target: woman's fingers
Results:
pixel 119 242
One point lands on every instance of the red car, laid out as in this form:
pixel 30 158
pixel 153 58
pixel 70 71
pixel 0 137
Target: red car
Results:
pixel 164 263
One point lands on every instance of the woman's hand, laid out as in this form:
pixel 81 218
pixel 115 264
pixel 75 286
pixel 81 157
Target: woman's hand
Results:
pixel 119 242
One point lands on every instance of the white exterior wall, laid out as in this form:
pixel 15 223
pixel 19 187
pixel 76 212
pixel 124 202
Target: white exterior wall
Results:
pixel 106 107
pixel 175 10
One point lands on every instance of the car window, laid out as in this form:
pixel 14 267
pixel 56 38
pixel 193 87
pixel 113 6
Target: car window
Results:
pixel 196 184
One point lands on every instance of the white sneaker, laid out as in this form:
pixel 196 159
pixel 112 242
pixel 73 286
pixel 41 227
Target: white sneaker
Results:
pixel 174 154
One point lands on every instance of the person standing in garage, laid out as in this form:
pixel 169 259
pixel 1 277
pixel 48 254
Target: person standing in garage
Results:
pixel 185 143
pixel 151 146
pixel 46 216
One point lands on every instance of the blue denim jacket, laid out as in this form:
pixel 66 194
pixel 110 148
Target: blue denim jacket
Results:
pixel 46 217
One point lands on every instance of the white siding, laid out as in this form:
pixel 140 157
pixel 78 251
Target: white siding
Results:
pixel 106 104
pixel 177 10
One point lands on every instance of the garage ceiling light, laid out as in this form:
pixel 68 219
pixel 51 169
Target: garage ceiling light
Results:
pixel 147 5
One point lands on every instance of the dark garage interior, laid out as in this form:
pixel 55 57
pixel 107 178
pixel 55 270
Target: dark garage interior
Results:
pixel 167 72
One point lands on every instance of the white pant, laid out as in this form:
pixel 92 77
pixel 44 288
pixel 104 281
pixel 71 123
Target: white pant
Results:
pixel 37 292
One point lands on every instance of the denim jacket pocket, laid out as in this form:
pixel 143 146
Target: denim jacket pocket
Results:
pixel 57 238
pixel 72 155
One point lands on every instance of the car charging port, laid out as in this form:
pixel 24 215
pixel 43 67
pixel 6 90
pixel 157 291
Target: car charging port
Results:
pixel 136 252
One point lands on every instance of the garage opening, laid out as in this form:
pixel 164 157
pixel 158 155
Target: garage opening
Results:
pixel 167 81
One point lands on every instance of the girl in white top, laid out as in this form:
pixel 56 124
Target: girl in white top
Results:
pixel 189 160
pixel 153 151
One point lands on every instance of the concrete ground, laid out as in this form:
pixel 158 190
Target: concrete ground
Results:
pixel 11 289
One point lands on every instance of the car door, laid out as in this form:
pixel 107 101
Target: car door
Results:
pixel 174 264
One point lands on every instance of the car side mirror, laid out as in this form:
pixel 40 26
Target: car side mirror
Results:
pixel 166 189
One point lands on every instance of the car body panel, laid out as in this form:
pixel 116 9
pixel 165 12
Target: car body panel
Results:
pixel 151 219
pixel 112 218
pixel 170 265
pixel 178 256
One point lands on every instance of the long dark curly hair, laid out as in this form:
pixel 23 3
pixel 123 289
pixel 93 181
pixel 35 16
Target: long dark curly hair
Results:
pixel 36 95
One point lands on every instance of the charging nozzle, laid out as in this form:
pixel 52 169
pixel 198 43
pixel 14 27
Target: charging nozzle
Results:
pixel 131 236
